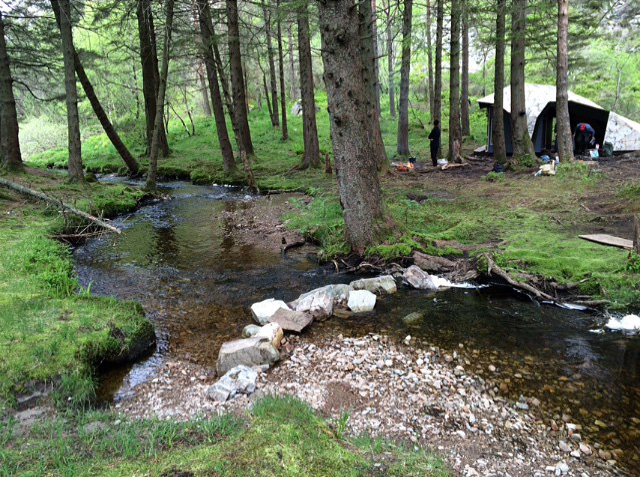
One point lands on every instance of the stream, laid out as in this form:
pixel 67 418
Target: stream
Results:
pixel 182 259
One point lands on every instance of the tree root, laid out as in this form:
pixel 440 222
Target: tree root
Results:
pixel 493 267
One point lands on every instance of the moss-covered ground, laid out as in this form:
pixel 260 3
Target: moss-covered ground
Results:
pixel 280 436
pixel 51 331
pixel 530 224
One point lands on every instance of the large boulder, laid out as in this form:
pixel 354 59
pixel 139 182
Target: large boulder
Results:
pixel 379 285
pixel 264 310
pixel 255 351
pixel 418 278
pixel 318 303
pixel 239 380
pixel 273 332
pixel 291 320
pixel 338 292
pixel 361 301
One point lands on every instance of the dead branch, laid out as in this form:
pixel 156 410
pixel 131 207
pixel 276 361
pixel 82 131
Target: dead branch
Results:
pixel 493 267
pixel 293 245
pixel 58 203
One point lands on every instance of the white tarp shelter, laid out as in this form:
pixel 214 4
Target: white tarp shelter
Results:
pixel 622 132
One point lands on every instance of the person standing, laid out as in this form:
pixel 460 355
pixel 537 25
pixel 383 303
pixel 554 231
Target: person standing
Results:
pixel 434 137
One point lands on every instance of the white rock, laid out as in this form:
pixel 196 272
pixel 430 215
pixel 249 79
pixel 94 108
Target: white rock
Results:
pixel 418 278
pixel 250 330
pixel 383 284
pixel 239 380
pixel 361 301
pixel 273 332
pixel 629 323
pixel 318 304
pixel 250 352
pixel 264 310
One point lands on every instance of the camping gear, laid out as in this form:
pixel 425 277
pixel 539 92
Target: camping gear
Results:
pixel 621 132
pixel 593 153
pixel 442 162
pixel 607 150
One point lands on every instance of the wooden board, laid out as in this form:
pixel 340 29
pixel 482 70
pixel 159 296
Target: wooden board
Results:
pixel 605 239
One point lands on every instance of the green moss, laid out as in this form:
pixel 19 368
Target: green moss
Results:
pixel 48 331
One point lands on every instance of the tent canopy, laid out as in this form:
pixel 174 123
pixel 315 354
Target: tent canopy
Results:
pixel 623 133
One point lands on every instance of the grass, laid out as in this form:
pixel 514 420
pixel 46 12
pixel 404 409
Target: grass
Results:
pixel 282 436
pixel 51 332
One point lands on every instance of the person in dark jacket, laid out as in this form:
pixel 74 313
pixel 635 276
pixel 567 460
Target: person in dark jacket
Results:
pixel 583 137
pixel 434 137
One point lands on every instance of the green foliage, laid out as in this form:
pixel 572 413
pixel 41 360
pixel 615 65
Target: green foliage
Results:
pixel 495 177
pixel 633 263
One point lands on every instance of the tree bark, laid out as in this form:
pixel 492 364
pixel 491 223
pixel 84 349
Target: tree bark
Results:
pixel 390 68
pixel 10 157
pixel 309 128
pixel 283 95
pixel 237 78
pixel 376 56
pixel 464 97
pixel 455 136
pixel 430 56
pixel 149 61
pixel 275 119
pixel 358 182
pixel 162 89
pixel 497 124
pixel 206 30
pixel 403 106
pixel 206 104
pixel 293 80
pixel 563 123
pixel 522 145
pixel 367 54
pixel 76 173
pixel 437 93
pixel 227 94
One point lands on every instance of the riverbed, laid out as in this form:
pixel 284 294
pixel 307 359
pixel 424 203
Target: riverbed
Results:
pixel 197 260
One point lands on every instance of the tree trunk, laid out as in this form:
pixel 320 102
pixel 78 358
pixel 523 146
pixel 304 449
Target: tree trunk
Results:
pixel 267 96
pixel 283 95
pixel 237 78
pixel 563 123
pixel 403 121
pixel 522 145
pixel 376 59
pixel 353 150
pixel 206 104
pixel 430 57
pixel 11 157
pixel 390 69
pixel 275 119
pixel 309 128
pixel 497 124
pixel 149 61
pixel 455 136
pixel 76 174
pixel 464 99
pixel 227 94
pixel 99 111
pixel 162 89
pixel 367 55
pixel 293 80
pixel 206 29
pixel 437 93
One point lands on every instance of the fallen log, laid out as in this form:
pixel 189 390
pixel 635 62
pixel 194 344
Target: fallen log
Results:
pixel 493 267
pixel 289 246
pixel 58 203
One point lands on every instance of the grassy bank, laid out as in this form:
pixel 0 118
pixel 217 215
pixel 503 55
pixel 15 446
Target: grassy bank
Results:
pixel 281 436
pixel 51 332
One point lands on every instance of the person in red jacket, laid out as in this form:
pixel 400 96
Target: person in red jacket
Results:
pixel 583 138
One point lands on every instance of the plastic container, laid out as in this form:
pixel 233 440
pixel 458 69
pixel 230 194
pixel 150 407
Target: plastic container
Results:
pixel 442 162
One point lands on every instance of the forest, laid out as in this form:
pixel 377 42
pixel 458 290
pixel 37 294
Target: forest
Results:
pixel 456 181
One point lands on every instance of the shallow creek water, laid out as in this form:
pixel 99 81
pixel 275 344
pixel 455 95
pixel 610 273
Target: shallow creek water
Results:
pixel 182 260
